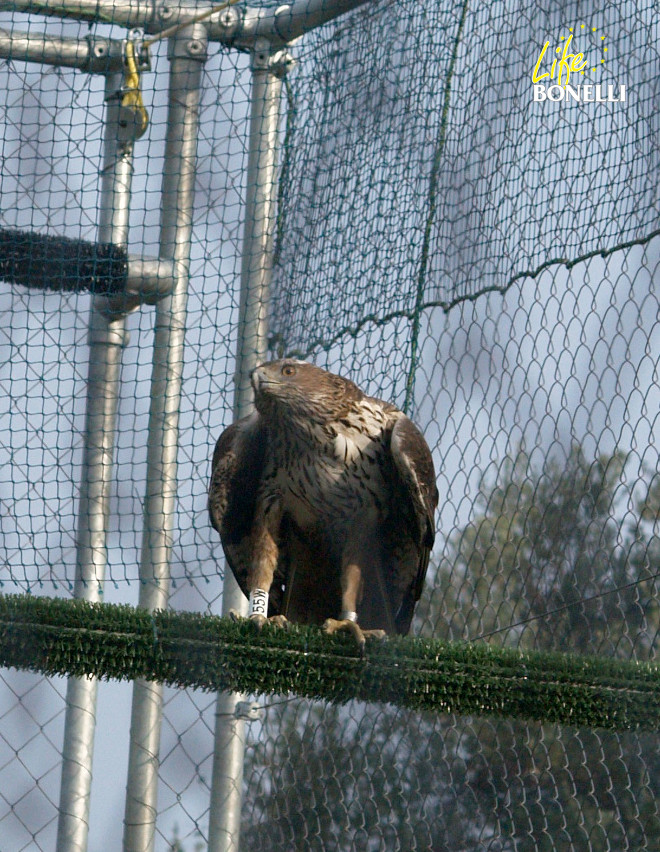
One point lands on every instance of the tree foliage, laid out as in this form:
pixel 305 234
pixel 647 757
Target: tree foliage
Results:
pixel 558 559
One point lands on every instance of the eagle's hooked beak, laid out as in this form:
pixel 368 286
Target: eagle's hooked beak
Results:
pixel 255 378
pixel 260 377
pixel 267 377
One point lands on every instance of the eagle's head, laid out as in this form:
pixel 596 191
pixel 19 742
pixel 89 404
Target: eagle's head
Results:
pixel 297 391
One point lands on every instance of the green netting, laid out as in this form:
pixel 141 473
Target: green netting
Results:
pixel 414 140
pixel 431 216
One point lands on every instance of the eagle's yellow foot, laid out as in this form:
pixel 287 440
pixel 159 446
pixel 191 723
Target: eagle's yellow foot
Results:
pixel 334 625
pixel 259 620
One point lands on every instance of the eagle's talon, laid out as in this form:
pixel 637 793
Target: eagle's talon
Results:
pixel 334 625
pixel 280 621
pixel 380 635
pixel 258 621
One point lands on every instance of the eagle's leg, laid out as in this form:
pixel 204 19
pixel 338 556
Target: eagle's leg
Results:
pixel 265 553
pixel 351 581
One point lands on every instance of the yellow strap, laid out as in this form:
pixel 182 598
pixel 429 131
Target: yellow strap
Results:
pixel 132 96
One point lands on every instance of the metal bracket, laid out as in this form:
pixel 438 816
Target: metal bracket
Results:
pixel 133 117
pixel 166 13
pixel 228 19
pixel 191 42
pixel 264 58
pixel 149 280
pixel 249 711
pixel 140 49
pixel 92 54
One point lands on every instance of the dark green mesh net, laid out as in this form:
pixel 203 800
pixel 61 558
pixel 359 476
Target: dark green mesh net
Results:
pixel 420 172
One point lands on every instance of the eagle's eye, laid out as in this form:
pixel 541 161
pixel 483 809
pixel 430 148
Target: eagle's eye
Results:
pixel 288 370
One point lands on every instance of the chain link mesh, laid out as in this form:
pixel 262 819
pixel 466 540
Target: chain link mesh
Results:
pixel 435 224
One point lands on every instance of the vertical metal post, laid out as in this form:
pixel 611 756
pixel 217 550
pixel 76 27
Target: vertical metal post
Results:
pixel 106 338
pixel 187 52
pixel 259 226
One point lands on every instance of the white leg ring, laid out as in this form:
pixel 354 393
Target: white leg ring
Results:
pixel 258 603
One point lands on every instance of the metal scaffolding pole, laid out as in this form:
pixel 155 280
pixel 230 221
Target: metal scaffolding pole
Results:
pixel 238 26
pixel 187 52
pixel 260 210
pixel 106 340
pixel 94 55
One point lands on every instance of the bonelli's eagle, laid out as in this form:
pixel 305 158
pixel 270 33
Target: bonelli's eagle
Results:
pixel 324 499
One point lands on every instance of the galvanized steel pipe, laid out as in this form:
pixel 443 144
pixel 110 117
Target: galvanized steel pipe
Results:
pixel 187 53
pixel 106 340
pixel 238 25
pixel 257 260
pixel 93 55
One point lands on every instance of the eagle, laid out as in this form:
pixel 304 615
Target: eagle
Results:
pixel 324 499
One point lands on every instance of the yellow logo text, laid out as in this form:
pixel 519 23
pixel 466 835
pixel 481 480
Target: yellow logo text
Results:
pixel 563 65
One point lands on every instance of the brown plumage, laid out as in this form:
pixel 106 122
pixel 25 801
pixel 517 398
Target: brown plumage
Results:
pixel 325 499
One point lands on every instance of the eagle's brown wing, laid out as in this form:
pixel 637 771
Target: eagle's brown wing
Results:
pixel 414 466
pixel 237 468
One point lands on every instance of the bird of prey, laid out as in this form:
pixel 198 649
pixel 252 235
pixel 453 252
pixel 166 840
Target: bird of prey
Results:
pixel 324 499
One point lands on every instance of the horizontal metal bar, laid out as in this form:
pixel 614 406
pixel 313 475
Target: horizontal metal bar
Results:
pixel 129 13
pixel 42 262
pixel 282 24
pixel 93 55
pixel 231 25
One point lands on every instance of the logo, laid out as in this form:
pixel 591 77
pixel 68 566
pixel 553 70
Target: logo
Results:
pixel 559 74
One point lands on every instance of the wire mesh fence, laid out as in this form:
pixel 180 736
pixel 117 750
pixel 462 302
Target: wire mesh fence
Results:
pixel 488 262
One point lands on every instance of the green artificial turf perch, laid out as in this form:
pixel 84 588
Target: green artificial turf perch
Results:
pixel 58 636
